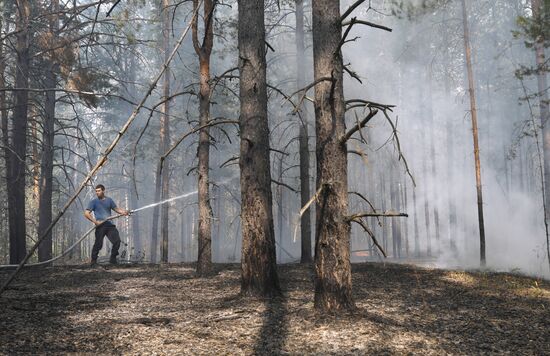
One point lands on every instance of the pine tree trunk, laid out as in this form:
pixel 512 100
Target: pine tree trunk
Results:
pixel 258 261
pixel 544 113
pixel 453 226
pixel 47 154
pixel 165 129
pixel 305 194
pixel 280 205
pixel 156 214
pixel 332 242
pixel 16 175
pixel 416 233
pixel 435 189
pixel 138 247
pixel 203 50
pixel 5 136
pixel 471 84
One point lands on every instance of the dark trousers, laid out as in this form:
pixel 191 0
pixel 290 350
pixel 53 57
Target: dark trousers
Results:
pixel 112 234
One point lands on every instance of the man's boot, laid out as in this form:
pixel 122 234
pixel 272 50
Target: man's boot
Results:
pixel 113 260
pixel 93 263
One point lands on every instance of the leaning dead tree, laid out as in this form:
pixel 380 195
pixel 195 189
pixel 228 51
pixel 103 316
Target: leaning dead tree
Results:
pixel 103 158
pixel 258 260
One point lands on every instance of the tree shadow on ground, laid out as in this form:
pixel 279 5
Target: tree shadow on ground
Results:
pixel 37 314
pixel 271 338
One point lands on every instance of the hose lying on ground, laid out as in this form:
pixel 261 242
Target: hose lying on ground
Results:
pixel 64 253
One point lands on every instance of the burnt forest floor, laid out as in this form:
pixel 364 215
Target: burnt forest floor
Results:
pixel 144 309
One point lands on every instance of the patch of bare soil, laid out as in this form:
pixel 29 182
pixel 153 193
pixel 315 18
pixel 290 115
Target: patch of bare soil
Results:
pixel 166 310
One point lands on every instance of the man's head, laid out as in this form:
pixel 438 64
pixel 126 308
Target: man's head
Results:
pixel 100 191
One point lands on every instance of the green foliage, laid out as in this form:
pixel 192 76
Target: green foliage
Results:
pixel 533 29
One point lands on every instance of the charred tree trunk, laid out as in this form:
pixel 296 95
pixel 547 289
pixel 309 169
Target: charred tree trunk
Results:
pixel 305 194
pixel 332 242
pixel 258 262
pixel 18 147
pixel 46 164
pixel 203 50
pixel 473 108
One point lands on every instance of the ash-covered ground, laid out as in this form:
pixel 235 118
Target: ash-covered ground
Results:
pixel 144 309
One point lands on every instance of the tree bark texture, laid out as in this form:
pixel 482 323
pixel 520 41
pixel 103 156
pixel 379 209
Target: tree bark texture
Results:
pixel 258 261
pixel 204 50
pixel 332 241
pixel 305 194
pixel 16 169
pixel 47 154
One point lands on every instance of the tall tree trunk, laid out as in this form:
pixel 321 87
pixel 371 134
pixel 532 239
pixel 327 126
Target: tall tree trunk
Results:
pixel 425 180
pixel 134 201
pixel 165 129
pixel 435 189
pixel 258 261
pixel 203 50
pixel 16 175
pixel 46 164
pixel 453 226
pixel 404 202
pixel 332 242
pixel 156 213
pixel 280 205
pixel 34 117
pixel 138 247
pixel 4 127
pixel 305 194
pixel 473 108
pixel 416 233
pixel 384 208
pixel 161 178
pixel 544 114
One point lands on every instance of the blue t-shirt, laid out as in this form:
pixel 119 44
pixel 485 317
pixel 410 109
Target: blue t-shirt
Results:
pixel 102 208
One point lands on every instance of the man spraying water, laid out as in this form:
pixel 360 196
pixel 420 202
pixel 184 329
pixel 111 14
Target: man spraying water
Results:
pixel 101 207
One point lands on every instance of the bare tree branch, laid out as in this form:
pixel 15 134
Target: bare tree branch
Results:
pixel 366 23
pixel 371 234
pixel 359 126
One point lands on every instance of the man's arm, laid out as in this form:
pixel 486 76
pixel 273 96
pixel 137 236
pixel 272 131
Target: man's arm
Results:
pixel 122 211
pixel 88 215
